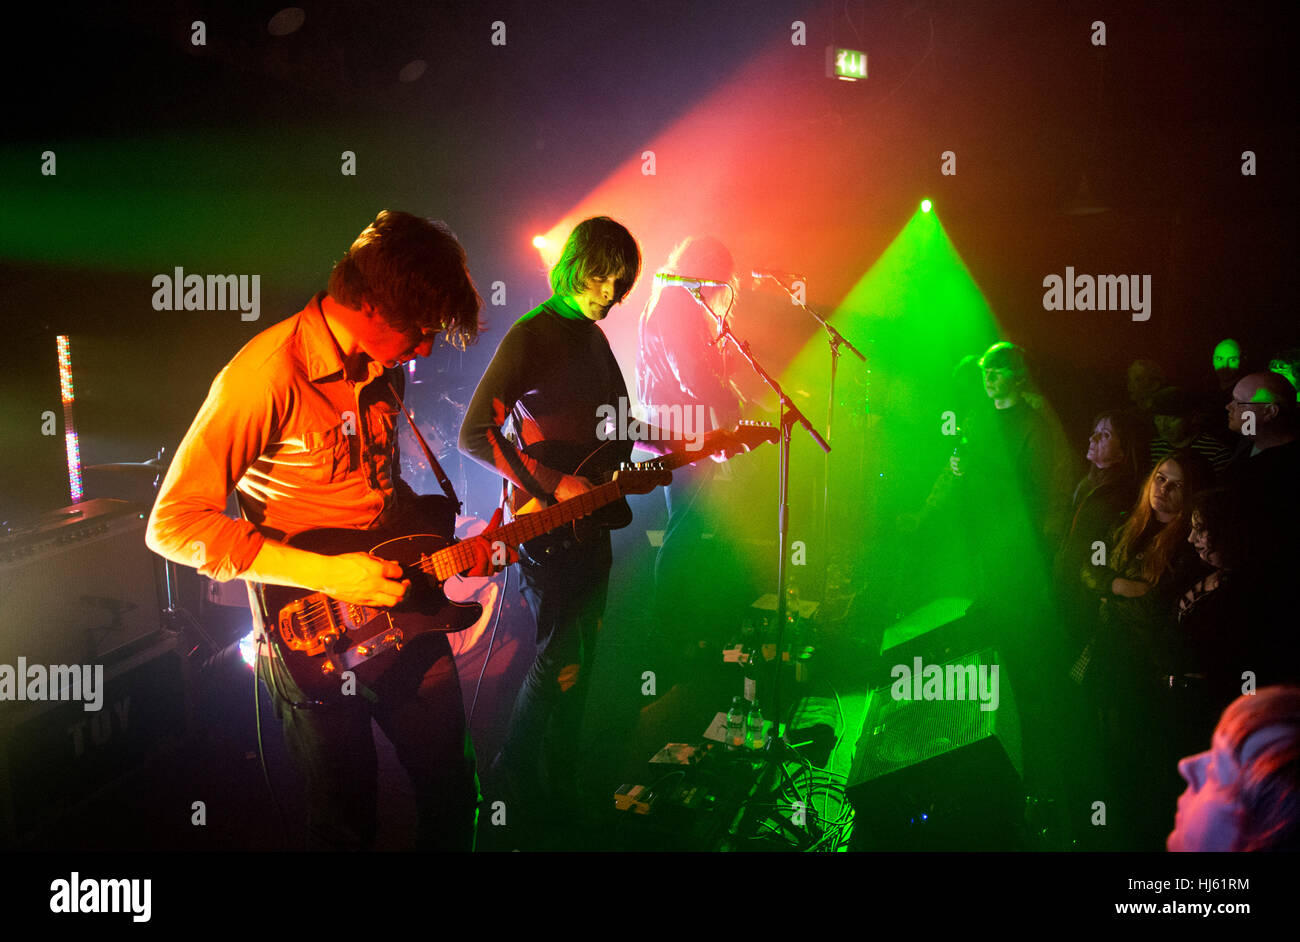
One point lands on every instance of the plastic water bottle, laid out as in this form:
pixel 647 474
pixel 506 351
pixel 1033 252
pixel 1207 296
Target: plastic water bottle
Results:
pixel 736 723
pixel 754 727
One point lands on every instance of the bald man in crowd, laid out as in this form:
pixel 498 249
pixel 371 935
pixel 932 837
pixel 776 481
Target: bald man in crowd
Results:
pixel 1266 466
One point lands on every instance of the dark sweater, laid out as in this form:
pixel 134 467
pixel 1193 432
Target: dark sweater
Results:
pixel 553 370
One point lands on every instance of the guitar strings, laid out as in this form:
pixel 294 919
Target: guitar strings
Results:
pixel 316 615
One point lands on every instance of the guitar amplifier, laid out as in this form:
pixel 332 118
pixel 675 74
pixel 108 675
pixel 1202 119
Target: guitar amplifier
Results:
pixel 79 585
pixel 56 753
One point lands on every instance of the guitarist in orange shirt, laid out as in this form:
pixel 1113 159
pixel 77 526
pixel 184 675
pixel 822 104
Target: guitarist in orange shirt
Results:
pixel 300 426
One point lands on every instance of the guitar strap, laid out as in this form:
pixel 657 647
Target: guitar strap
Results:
pixel 443 481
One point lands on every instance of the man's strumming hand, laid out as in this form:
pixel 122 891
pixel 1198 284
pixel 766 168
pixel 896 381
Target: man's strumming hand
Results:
pixel 362 579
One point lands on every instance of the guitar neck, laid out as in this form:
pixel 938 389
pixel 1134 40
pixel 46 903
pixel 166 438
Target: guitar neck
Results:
pixel 712 442
pixel 457 557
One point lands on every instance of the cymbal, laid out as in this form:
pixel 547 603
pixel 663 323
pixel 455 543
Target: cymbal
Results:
pixel 151 467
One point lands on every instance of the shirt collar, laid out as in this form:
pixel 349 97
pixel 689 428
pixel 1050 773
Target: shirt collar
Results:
pixel 319 350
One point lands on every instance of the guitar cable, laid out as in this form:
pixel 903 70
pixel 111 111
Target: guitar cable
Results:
pixel 492 637
pixel 257 716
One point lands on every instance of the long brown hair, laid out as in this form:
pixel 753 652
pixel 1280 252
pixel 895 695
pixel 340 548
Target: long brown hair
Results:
pixel 1159 553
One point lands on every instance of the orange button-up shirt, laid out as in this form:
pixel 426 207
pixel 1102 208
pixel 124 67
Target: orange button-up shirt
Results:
pixel 303 446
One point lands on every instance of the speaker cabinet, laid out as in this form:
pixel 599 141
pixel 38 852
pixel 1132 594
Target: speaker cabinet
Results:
pixel 943 773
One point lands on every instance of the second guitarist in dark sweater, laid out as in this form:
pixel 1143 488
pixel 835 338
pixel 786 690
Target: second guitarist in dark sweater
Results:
pixel 534 417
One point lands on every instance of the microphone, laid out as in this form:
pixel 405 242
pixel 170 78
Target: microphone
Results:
pixel 776 275
pixel 687 281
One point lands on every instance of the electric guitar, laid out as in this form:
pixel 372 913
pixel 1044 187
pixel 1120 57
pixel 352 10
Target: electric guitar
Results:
pixel 598 466
pixel 319 637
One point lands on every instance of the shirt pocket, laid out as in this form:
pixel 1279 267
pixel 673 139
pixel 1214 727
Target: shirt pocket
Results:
pixel 324 458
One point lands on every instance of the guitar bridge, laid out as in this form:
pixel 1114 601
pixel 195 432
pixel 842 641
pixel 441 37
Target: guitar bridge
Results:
pixel 315 623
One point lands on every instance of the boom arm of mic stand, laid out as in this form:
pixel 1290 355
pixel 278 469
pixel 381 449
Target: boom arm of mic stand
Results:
pixel 837 338
pixel 786 403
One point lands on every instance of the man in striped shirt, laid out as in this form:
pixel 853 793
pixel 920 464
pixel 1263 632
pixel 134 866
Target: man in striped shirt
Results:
pixel 1177 428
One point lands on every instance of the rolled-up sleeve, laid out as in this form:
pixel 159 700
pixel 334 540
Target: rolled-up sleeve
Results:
pixel 188 524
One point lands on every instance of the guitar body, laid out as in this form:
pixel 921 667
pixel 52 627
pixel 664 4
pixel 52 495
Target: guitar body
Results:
pixel 319 638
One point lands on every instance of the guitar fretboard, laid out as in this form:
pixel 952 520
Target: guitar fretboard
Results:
pixel 458 557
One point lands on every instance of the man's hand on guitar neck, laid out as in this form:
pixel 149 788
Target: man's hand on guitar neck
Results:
pixel 484 547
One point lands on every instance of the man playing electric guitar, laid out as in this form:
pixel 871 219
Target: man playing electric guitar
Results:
pixel 538 414
pixel 300 425
pixel 532 419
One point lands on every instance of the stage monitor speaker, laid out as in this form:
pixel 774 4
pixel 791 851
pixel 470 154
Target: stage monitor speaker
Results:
pixel 940 774
pixel 56 753
pixel 926 619
pixel 79 586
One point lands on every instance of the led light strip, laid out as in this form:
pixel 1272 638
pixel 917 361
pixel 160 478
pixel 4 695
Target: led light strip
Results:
pixel 69 433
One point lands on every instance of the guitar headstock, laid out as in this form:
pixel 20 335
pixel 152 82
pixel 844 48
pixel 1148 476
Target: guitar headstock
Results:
pixel 642 478
pixel 748 435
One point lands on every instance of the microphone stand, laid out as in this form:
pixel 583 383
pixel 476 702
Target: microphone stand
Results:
pixel 777 747
pixel 836 340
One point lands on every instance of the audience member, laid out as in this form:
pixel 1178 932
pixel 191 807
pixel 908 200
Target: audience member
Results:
pixel 1227 362
pixel 1287 364
pixel 1266 467
pixel 1099 502
pixel 1150 565
pixel 1244 793
pixel 1145 379
pixel 1014 464
pixel 1178 428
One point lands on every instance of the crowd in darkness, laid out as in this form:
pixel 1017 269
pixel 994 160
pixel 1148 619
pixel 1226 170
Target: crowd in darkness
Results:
pixel 1170 590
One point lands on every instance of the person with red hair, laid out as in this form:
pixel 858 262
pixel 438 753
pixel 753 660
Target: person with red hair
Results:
pixel 1243 794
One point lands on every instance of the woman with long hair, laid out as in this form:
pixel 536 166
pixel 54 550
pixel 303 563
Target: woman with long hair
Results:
pixel 1150 564
pixel 1151 547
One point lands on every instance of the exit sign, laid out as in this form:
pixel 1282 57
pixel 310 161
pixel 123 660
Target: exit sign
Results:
pixel 847 64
